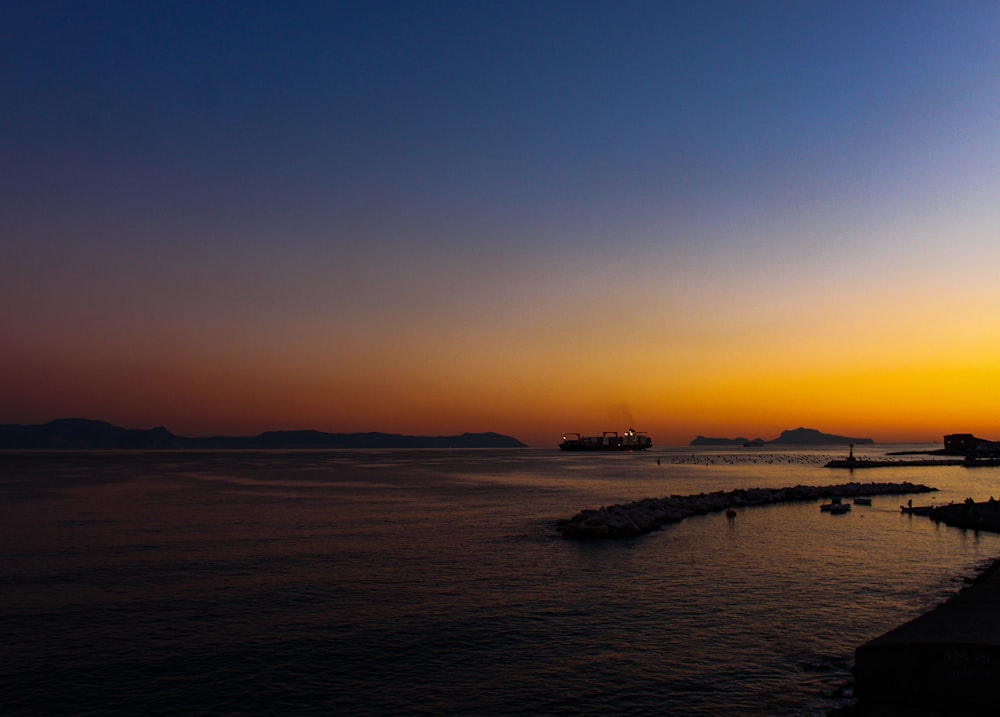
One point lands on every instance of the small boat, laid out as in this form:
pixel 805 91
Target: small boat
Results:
pixel 610 441
pixel 916 509
pixel 730 513
pixel 862 501
pixel 836 506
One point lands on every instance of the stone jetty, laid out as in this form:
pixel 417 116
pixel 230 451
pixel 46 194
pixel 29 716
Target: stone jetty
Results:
pixel 642 516
pixel 853 463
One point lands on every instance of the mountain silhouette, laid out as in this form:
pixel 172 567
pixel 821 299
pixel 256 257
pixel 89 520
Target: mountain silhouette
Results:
pixel 87 434
pixel 794 437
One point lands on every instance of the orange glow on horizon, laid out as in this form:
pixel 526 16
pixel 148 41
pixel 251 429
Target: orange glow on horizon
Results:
pixel 533 385
pixel 888 406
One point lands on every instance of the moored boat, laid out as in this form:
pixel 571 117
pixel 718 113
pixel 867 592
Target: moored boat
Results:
pixel 836 506
pixel 916 509
pixel 631 440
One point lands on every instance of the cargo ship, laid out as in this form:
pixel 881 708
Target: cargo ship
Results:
pixel 610 441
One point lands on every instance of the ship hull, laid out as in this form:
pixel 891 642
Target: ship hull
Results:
pixel 582 447
pixel 610 441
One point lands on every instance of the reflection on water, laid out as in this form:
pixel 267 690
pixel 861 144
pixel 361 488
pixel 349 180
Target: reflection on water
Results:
pixel 432 582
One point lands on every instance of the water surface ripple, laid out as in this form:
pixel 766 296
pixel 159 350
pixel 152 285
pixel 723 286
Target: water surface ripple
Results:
pixel 434 582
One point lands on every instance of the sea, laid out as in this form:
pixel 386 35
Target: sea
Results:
pixel 435 582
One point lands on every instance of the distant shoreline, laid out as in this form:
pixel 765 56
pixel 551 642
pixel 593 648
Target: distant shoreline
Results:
pixel 82 434
pixel 795 437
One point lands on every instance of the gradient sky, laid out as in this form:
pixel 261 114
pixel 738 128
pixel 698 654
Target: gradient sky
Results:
pixel 718 218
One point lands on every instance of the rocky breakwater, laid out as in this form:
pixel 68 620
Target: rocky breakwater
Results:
pixel 642 516
pixel 984 515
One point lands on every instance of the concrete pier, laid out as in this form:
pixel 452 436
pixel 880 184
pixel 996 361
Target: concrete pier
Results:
pixel 853 463
pixel 946 661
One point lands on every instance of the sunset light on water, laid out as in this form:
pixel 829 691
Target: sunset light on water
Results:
pixel 299 300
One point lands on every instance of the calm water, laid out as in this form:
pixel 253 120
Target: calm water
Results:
pixel 433 582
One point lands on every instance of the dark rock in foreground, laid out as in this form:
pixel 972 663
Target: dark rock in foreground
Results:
pixel 945 662
pixel 643 516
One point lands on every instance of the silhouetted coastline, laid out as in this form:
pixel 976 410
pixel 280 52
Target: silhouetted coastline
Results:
pixel 794 437
pixel 87 434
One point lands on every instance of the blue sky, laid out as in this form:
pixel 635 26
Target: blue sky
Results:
pixel 426 196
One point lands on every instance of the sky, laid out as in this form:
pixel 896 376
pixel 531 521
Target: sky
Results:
pixel 725 218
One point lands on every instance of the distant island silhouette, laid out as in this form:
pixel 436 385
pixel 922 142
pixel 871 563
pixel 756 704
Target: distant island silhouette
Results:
pixel 87 434
pixel 712 441
pixel 794 437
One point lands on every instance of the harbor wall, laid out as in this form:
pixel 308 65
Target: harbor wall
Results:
pixel 947 659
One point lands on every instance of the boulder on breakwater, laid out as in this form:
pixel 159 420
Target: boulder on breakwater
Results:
pixel 642 516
